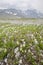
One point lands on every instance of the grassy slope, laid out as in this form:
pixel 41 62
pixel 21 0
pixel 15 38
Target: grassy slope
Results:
pixel 28 38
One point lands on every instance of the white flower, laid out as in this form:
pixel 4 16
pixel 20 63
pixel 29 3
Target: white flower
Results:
pixel 24 45
pixel 41 41
pixel 29 50
pixel 41 55
pixel 2 26
pixel 42 61
pixel 5 50
pixel 32 35
pixel 31 53
pixel 20 49
pixel 5 41
pixel 40 37
pixel 20 61
pixel 16 50
pixel 22 40
pixel 21 46
pixel 15 31
pixel 17 54
pixel 5 60
pixel 25 51
pixel 18 43
pixel 36 42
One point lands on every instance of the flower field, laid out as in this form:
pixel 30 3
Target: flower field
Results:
pixel 21 44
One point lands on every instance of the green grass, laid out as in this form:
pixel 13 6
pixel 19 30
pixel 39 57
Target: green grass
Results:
pixel 27 40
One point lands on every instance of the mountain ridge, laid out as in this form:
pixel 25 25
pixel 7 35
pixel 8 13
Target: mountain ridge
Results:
pixel 29 13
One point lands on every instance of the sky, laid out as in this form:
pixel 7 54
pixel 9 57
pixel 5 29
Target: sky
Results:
pixel 22 4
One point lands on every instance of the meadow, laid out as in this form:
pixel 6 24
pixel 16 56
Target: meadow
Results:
pixel 21 44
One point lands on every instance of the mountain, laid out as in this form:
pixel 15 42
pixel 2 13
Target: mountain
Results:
pixel 14 13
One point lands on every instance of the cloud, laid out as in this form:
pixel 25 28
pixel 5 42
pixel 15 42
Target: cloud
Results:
pixel 22 4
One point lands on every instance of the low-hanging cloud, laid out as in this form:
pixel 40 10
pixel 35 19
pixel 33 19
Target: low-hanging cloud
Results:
pixel 22 4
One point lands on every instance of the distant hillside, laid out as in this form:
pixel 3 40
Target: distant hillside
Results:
pixel 14 13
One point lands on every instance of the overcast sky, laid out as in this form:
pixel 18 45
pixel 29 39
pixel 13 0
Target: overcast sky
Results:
pixel 22 4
